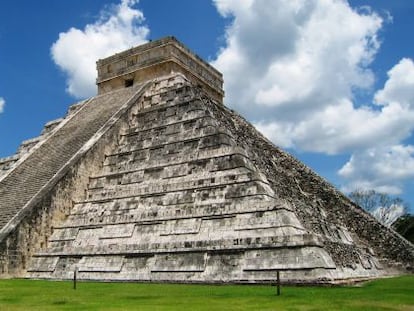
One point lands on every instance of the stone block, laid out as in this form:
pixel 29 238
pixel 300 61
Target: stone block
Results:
pixel 100 264
pixel 42 264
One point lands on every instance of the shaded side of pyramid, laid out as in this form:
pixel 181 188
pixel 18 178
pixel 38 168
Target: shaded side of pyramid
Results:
pixel 354 239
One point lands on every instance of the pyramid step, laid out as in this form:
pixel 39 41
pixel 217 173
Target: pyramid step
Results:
pixel 145 216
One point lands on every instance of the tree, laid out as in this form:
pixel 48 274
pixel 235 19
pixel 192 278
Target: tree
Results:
pixel 382 206
pixel 405 226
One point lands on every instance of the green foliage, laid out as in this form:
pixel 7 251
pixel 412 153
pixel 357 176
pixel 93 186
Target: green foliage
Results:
pixel 405 226
pixel 386 294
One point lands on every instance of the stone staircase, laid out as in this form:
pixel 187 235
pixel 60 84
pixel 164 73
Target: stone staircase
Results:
pixel 31 174
pixel 8 163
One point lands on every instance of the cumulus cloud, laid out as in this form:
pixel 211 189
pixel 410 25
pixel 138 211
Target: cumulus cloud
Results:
pixel 386 165
pixel 343 128
pixel 2 103
pixel 303 60
pixel 300 56
pixel 77 50
pixel 399 86
pixel 383 169
pixel 292 67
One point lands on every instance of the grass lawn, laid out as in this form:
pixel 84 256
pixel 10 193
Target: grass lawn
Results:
pixel 386 294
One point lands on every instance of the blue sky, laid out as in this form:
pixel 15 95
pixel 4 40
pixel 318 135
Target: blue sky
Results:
pixel 330 81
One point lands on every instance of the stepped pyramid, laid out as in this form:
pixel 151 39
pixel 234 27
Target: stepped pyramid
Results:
pixel 154 179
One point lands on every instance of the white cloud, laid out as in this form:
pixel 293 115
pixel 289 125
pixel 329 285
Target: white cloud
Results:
pixel 2 103
pixel 292 67
pixel 388 163
pixel 76 51
pixel 400 85
pixel 383 169
pixel 300 56
pixel 303 61
pixel 343 128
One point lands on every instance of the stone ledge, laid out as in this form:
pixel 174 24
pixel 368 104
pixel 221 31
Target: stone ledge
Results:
pixel 211 246
pixel 158 220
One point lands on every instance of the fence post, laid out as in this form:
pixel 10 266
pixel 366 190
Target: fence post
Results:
pixel 278 282
pixel 74 277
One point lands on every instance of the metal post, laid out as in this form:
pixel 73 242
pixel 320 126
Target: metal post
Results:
pixel 278 282
pixel 74 278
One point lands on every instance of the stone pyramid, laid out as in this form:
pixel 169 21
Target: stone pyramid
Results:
pixel 156 180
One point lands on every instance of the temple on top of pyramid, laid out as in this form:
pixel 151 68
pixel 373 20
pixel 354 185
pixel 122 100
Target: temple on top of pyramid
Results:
pixel 156 59
pixel 155 180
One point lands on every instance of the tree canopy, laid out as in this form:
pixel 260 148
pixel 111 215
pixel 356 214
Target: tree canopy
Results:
pixel 386 208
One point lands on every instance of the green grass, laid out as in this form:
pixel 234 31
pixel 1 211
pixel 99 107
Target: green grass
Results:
pixel 386 294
